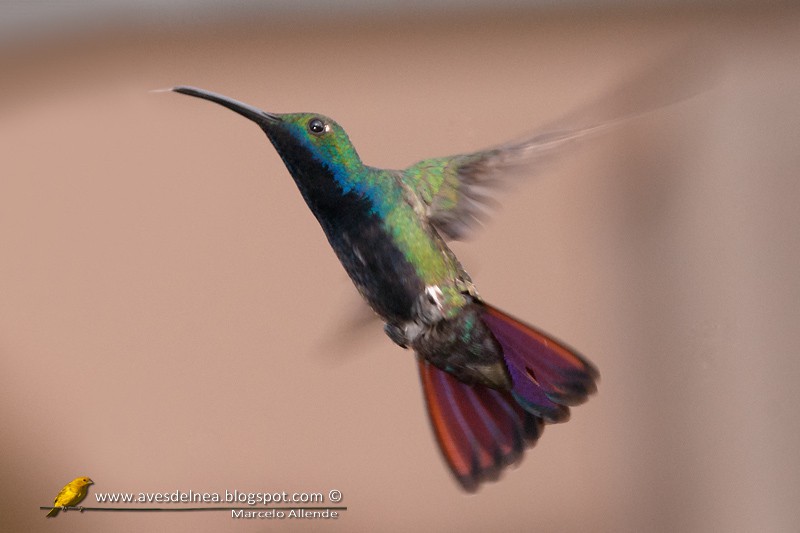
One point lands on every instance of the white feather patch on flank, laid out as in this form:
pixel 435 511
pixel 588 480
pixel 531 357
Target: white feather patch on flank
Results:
pixel 435 295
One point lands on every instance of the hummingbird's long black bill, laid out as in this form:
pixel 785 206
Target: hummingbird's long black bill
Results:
pixel 253 113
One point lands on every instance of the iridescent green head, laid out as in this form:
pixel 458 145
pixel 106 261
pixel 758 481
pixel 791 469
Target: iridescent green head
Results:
pixel 320 135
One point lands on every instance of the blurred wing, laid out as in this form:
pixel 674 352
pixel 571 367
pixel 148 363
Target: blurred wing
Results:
pixel 457 191
pixel 479 430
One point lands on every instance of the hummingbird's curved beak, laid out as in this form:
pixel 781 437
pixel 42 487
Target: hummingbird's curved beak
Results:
pixel 248 111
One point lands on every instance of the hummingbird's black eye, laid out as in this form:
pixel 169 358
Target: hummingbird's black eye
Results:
pixel 316 126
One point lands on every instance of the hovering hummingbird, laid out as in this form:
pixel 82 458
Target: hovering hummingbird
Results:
pixel 490 381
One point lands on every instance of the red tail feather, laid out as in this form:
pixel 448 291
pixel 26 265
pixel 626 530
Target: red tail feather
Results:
pixel 481 430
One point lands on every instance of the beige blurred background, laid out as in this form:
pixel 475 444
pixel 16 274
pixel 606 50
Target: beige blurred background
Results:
pixel 172 318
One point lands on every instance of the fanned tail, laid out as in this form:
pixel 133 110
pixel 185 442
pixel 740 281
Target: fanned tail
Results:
pixel 482 430
pixel 548 375
pixel 479 430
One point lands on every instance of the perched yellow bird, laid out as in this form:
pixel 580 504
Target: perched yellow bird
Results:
pixel 71 495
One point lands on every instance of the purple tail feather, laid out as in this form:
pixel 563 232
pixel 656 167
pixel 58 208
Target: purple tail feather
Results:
pixel 548 376
pixel 481 430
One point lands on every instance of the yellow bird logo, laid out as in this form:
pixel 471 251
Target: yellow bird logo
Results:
pixel 71 495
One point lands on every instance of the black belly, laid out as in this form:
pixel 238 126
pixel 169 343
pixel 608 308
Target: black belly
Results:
pixel 376 265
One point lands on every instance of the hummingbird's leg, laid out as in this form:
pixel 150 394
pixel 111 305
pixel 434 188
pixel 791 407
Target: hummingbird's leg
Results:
pixel 397 334
pixel 405 334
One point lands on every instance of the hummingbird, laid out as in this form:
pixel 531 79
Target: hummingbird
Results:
pixel 490 381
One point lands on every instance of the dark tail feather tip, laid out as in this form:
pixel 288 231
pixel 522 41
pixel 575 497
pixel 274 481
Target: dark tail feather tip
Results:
pixel 548 375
